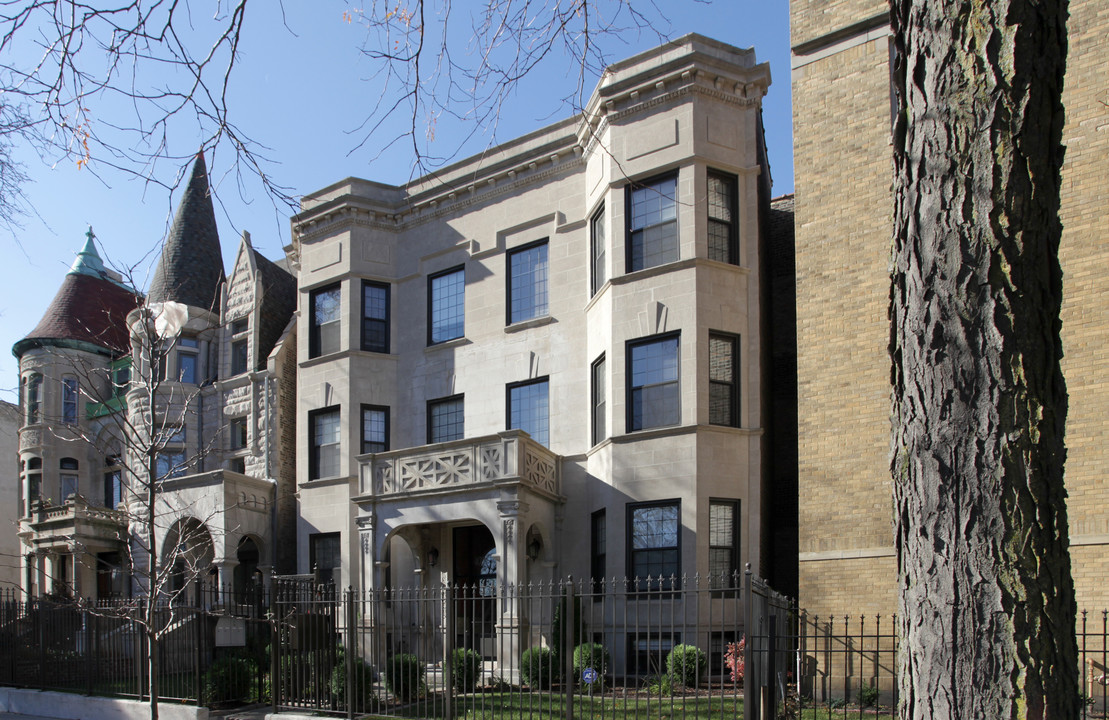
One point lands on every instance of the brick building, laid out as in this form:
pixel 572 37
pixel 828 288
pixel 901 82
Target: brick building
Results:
pixel 842 116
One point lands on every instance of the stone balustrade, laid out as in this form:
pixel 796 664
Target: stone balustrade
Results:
pixel 507 457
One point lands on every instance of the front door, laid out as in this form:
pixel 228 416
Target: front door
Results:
pixel 475 576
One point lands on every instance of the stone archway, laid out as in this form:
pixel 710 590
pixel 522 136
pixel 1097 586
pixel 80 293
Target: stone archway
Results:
pixel 188 551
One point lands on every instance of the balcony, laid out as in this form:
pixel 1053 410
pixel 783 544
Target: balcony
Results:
pixel 74 521
pixel 507 459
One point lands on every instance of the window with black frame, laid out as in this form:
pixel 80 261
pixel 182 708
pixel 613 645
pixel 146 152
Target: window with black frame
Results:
pixel 324 448
pixel 652 222
pixel 375 429
pixel 723 238
pixel 654 545
pixel 528 409
pixel 446 306
pixel 654 398
pixel 375 317
pixel 323 321
pixel 527 283
pixel 446 419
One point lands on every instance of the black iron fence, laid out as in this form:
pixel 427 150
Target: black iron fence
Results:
pixel 613 648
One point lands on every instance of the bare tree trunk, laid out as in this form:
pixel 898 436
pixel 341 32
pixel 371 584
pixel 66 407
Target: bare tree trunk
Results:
pixel 987 606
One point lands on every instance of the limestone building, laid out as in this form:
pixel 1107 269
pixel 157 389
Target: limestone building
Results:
pixel 549 359
pixel 90 377
pixel 842 113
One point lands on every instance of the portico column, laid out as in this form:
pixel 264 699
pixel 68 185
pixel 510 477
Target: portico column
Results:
pixel 367 543
pixel 512 571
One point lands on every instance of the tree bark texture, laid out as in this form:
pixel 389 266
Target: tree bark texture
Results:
pixel 987 605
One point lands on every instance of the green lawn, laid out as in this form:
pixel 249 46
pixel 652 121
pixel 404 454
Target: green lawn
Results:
pixel 534 706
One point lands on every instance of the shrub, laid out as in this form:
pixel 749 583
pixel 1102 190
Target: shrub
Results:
pixel 686 664
pixel 659 685
pixel 362 686
pixel 733 658
pixel 591 655
pixel 556 628
pixel 537 667
pixel 868 695
pixel 465 669
pixel 404 676
pixel 230 678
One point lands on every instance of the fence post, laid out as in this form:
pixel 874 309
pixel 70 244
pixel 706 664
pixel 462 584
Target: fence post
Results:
pixel 275 647
pixel 750 699
pixel 567 640
pixel 198 620
pixel 448 641
pixel 772 665
pixel 349 655
pixel 140 648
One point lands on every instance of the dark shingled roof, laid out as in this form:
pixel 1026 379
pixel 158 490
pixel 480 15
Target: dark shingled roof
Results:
pixel 87 309
pixel 191 267
pixel 279 292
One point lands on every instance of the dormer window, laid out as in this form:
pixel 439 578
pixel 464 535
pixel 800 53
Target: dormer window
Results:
pixel 240 356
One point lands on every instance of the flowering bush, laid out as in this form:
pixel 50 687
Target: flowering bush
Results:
pixel 733 658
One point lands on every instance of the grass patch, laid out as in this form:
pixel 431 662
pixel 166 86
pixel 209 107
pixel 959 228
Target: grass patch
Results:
pixel 529 706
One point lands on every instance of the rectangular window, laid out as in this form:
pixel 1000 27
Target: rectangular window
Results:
pixel 723 543
pixel 527 283
pixel 599 391
pixel 113 488
pixel 528 409
pixel 170 463
pixel 647 651
pixel 446 306
pixel 597 241
pixel 69 400
pixel 723 380
pixel 653 388
pixel 32 398
pixel 323 326
pixel 598 543
pixel 325 556
pixel 121 377
pixel 445 419
pixel 375 317
pixel 654 548
pixel 239 357
pixel 723 245
pixel 652 223
pixel 68 485
pixel 238 433
pixel 323 453
pixel 186 360
pixel 239 326
pixel 375 429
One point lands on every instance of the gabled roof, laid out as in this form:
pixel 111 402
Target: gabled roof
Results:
pixel 279 293
pixel 89 312
pixel 190 269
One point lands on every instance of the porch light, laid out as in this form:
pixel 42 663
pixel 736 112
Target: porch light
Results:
pixel 534 546
pixel 433 557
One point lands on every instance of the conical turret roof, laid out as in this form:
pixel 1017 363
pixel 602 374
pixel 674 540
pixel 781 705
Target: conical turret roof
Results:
pixel 190 269
pixel 89 312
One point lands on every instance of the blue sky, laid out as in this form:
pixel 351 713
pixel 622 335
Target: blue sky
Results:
pixel 301 89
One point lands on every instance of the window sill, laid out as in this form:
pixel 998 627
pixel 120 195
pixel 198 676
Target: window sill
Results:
pixel 528 324
pixel 453 343
pixel 324 482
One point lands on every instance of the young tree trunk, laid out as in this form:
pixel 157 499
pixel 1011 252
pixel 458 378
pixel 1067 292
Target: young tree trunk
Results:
pixel 987 606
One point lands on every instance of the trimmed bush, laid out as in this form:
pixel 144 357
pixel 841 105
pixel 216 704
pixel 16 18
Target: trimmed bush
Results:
pixel 465 669
pixel 591 655
pixel 404 676
pixel 363 685
pixel 686 664
pixel 230 678
pixel 537 667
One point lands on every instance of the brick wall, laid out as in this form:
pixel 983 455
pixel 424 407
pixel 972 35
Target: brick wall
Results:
pixel 843 177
